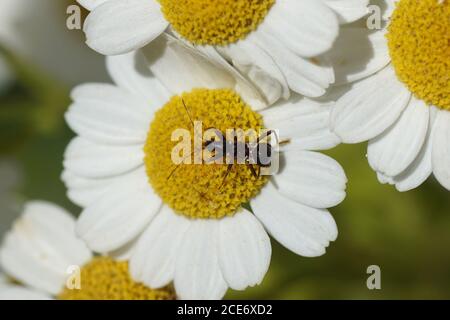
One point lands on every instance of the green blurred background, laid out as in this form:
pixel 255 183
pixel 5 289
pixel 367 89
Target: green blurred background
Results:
pixel 406 234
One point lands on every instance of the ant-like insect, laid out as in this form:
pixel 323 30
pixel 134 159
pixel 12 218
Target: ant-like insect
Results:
pixel 253 153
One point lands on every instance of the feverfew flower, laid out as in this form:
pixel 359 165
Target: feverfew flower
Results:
pixel 402 104
pixel 203 226
pixel 42 253
pixel 271 41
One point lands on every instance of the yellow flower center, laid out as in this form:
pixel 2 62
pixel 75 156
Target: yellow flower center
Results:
pixel 419 45
pixel 106 279
pixel 215 22
pixel 201 189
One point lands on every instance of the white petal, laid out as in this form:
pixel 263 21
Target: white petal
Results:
pixel 109 115
pixel 41 246
pixel 441 149
pixel 333 94
pixel 265 83
pixel 303 75
pixel 84 191
pixel 14 292
pixel 153 261
pixel 304 230
pixel 122 213
pixel 421 168
pixel 244 250
pixel 312 179
pixel 384 179
pixel 91 160
pixel 121 26
pixel 369 108
pixel 242 86
pixel 130 71
pixel 387 7
pixel 358 53
pixel 197 274
pixel 259 66
pixel 125 252
pixel 91 4
pixel 307 27
pixel 181 68
pixel 394 150
pixel 305 123
pixel 349 10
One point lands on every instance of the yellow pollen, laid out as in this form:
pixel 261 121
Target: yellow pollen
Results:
pixel 215 22
pixel 201 190
pixel 106 279
pixel 419 45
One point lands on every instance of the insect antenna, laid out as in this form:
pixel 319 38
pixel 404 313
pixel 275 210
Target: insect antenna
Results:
pixel 179 165
pixel 229 168
pixel 188 113
pixel 284 142
pixel 265 135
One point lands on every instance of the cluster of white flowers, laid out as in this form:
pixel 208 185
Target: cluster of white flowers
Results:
pixel 306 68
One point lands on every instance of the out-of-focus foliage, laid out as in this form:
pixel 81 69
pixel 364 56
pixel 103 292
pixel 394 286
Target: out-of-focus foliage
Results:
pixel 33 134
pixel 33 105
pixel 36 32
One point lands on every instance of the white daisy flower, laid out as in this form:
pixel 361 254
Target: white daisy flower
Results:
pixel 271 41
pixel 188 226
pixel 43 259
pixel 402 105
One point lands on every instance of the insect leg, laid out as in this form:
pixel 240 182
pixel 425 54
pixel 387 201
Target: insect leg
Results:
pixel 230 166
pixel 252 169
pixel 178 165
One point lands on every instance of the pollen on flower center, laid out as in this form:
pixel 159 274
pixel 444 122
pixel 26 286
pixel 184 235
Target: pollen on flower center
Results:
pixel 200 190
pixel 106 279
pixel 215 22
pixel 419 45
